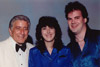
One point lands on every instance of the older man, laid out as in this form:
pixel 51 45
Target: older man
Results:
pixel 14 51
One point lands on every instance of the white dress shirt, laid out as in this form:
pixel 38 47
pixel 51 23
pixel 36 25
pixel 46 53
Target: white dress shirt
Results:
pixel 22 57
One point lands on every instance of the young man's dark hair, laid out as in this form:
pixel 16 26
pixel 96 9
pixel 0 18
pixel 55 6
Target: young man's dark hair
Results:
pixel 76 6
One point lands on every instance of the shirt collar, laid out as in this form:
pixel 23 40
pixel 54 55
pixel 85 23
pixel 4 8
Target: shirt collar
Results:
pixel 13 42
pixel 53 51
pixel 88 32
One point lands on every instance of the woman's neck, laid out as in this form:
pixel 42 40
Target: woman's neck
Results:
pixel 49 46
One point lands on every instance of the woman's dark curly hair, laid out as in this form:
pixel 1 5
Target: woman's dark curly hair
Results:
pixel 51 22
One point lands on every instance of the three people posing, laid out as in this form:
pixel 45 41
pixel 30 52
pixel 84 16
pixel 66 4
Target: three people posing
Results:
pixel 49 50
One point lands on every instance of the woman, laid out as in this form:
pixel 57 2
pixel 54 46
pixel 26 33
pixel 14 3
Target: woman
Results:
pixel 49 50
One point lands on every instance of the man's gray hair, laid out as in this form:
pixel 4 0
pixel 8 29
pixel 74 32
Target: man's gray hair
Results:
pixel 19 17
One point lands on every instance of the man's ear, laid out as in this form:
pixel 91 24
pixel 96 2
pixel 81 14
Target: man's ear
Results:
pixel 85 20
pixel 10 32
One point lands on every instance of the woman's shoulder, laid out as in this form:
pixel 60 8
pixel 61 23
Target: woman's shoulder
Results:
pixel 64 50
pixel 34 50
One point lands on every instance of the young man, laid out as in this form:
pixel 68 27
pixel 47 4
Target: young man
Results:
pixel 84 41
pixel 15 50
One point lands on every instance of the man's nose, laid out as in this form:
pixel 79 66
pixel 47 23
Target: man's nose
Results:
pixel 22 31
pixel 73 21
